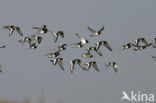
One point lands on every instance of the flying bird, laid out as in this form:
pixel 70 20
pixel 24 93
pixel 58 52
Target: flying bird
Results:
pixel 73 62
pixel 82 42
pixel 87 55
pixel 127 46
pixel 94 32
pixel 42 30
pixel 61 48
pixel 53 55
pixel 59 61
pixel 32 46
pixel 26 39
pixel 112 64
pixel 12 28
pixel 92 63
pixel 94 49
pixel 57 34
pixel 36 38
pixel 105 43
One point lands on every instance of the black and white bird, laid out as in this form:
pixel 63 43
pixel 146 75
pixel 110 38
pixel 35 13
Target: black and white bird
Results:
pixel 33 46
pixel 105 43
pixel 36 38
pixel 127 46
pixel 52 55
pixel 93 64
pixel 94 49
pixel 73 62
pixel 112 64
pixel 12 28
pixel 42 30
pixel 94 32
pixel 57 34
pixel 26 39
pixel 87 55
pixel 61 48
pixel 59 61
pixel 82 42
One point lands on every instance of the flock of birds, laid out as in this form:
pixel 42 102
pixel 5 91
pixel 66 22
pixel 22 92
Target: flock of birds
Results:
pixel 33 40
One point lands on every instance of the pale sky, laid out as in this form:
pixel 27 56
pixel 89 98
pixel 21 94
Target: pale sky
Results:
pixel 27 72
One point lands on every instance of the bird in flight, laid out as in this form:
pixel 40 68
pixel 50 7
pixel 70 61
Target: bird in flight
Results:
pixel 12 28
pixel 94 32
pixel 57 34
pixel 42 30
pixel 73 62
pixel 112 64
pixel 82 42
pixel 105 43
pixel 92 63
pixel 59 61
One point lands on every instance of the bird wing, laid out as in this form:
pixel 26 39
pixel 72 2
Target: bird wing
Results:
pixel 108 46
pixel 55 38
pixel 71 66
pixel 81 65
pixel 80 37
pixel 11 32
pixel 61 65
pixel 95 67
pixel 18 29
pixel 39 39
pixel 98 52
pixel 39 28
pixel 144 41
pixel 7 27
pixel 115 68
pixel 92 30
pixel 102 28
pixel 61 33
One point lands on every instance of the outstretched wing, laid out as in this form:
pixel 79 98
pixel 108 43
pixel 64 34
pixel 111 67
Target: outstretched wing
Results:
pixel 80 37
pixel 39 28
pixel 92 30
pixel 19 31
pixel 61 65
pixel 98 52
pixel 108 46
pixel 81 65
pixel 102 28
pixel 95 67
